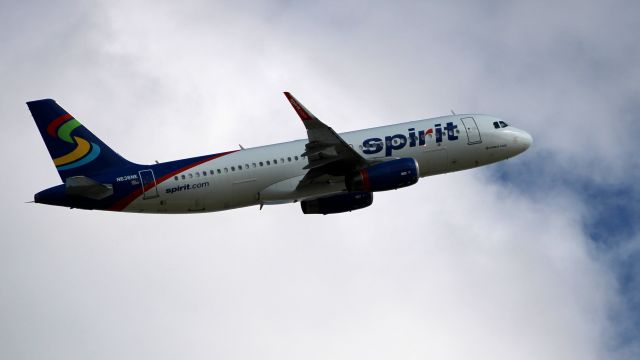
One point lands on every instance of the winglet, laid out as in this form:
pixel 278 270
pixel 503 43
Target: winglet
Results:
pixel 299 108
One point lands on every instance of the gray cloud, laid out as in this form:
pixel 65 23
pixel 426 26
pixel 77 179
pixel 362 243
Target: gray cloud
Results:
pixel 459 266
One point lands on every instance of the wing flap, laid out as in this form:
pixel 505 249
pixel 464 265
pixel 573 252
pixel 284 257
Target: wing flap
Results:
pixel 319 163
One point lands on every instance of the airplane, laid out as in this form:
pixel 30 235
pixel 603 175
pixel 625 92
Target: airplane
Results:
pixel 326 173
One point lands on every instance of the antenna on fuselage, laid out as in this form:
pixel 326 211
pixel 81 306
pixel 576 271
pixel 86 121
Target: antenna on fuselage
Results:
pixel 453 112
pixel 241 147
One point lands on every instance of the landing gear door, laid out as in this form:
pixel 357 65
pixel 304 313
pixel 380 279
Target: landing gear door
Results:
pixel 473 134
pixel 148 183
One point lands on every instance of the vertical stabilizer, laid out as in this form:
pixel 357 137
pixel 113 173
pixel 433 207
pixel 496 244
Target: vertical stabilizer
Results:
pixel 74 149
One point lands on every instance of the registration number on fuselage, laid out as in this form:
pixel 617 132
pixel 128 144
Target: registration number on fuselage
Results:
pixel 127 177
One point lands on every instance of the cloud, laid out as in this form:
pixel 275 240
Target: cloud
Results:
pixel 495 262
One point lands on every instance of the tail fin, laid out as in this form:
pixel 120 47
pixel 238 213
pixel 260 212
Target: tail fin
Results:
pixel 74 149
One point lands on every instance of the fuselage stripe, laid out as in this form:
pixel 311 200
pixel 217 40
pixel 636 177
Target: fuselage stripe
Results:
pixel 125 201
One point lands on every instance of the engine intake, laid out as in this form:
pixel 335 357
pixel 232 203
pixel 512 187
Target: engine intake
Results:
pixel 388 175
pixel 339 203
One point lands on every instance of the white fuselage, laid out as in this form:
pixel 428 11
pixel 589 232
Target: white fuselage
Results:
pixel 270 174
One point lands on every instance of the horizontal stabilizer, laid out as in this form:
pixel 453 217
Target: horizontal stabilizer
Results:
pixel 87 187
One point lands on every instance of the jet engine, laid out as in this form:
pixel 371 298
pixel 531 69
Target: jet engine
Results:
pixel 389 175
pixel 337 203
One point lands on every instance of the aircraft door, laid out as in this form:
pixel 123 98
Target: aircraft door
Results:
pixel 148 183
pixel 473 134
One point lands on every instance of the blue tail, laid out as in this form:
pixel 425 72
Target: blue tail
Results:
pixel 74 149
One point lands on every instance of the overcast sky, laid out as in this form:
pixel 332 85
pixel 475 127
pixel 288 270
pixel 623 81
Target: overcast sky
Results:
pixel 534 258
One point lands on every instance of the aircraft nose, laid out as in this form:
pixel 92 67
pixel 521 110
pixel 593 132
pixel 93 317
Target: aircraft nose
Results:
pixel 522 140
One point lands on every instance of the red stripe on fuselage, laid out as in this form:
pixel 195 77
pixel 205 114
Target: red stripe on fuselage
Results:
pixel 53 126
pixel 125 201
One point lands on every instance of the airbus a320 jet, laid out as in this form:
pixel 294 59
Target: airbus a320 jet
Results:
pixel 326 173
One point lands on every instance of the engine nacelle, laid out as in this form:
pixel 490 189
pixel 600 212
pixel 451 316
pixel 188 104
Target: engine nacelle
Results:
pixel 388 175
pixel 337 203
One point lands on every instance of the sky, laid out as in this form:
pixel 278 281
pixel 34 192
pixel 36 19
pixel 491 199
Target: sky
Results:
pixel 535 257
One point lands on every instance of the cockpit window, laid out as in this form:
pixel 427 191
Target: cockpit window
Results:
pixel 503 124
pixel 496 125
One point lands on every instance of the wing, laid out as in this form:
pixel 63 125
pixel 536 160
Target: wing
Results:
pixel 328 154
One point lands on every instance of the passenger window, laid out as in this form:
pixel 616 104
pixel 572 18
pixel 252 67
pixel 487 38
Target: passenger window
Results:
pixel 211 172
pixel 183 177
pixel 496 125
pixel 233 168
pixel 282 160
pixel 295 157
pixel 261 163
pixel 275 161
pixel 226 170
pixel 289 158
pixel 254 165
pixel 204 173
pixel 239 167
pixel 190 176
pixel 268 162
pixel 175 178
pixel 503 124
pixel 246 166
